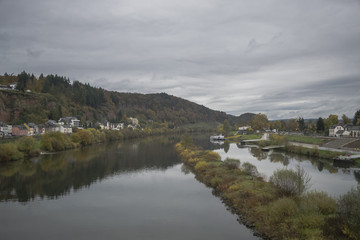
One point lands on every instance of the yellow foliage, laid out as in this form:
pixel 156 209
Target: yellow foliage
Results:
pixel 201 166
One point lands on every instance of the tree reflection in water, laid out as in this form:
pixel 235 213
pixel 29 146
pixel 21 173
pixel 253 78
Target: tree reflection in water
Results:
pixel 55 175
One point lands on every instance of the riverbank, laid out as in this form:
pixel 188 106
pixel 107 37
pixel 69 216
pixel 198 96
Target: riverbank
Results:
pixel 28 146
pixel 265 207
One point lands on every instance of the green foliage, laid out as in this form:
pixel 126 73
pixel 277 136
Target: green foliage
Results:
pixel 27 145
pixel 290 182
pixel 276 139
pixel 9 152
pixel 319 201
pixel 232 163
pixel 305 139
pixel 345 119
pixel 349 210
pixel 250 169
pixel 301 123
pixel 320 125
pixel 55 141
pixel 259 122
pixel 226 128
pixel 356 119
pixel 187 141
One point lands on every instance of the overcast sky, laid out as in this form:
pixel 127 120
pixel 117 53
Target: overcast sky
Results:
pixel 282 58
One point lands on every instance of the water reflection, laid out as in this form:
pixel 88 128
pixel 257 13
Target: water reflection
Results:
pixel 55 175
pixel 335 180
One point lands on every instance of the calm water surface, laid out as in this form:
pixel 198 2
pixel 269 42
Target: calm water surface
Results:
pixel 133 190
pixel 324 176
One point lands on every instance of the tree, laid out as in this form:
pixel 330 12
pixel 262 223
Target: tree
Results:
pixel 292 125
pixel 226 128
pixel 23 79
pixel 259 122
pixel 356 119
pixel 345 119
pixel 291 182
pixel 301 123
pixel 320 126
pixel 333 119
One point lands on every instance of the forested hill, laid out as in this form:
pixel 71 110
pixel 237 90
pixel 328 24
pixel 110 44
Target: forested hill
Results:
pixel 37 99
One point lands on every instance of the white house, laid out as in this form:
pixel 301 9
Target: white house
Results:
pixel 72 121
pixel 336 131
pixel 65 128
pixel 344 131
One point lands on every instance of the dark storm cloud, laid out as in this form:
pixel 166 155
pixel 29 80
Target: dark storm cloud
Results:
pixel 282 58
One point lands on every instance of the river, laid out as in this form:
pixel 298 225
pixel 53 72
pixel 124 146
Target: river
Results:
pixel 133 190
pixel 136 190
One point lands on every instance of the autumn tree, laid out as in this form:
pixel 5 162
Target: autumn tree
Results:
pixel 259 122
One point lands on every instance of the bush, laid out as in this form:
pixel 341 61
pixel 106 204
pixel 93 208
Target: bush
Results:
pixel 27 145
pixel 9 152
pixel 319 201
pixel 55 141
pixel 290 182
pixel 349 210
pixel 250 169
pixel 201 166
pixel 232 163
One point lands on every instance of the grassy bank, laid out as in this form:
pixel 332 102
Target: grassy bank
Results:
pixel 279 209
pixel 305 139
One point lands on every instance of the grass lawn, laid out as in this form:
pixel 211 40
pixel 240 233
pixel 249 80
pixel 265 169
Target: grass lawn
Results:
pixel 305 139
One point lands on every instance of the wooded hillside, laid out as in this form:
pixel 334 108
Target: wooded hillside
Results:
pixel 37 99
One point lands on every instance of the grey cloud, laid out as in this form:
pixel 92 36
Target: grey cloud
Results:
pixel 283 58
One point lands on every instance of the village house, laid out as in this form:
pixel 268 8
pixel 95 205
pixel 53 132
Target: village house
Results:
pixel 65 128
pixel 72 121
pixel 52 126
pixel 20 130
pixel 3 130
pixel 33 128
pixel 348 130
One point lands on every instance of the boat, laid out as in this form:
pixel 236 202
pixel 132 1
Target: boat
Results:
pixel 217 137
pixel 343 159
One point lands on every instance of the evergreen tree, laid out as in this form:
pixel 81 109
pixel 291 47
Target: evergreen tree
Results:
pixel 23 79
pixel 356 119
pixel 301 123
pixel 320 126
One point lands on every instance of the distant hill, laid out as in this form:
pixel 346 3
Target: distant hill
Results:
pixel 38 99
pixel 245 118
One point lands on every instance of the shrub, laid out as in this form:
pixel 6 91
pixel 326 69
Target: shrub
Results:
pixel 212 156
pixel 232 163
pixel 250 169
pixel 9 152
pixel 349 210
pixel 280 217
pixel 55 141
pixel 290 182
pixel 27 145
pixel 315 200
pixel 201 166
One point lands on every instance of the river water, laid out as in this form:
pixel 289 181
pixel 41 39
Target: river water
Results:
pixel 132 190
pixel 335 180
pixel 135 190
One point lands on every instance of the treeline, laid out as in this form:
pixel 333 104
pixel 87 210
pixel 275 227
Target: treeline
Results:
pixel 26 147
pixel 96 104
pixel 280 208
